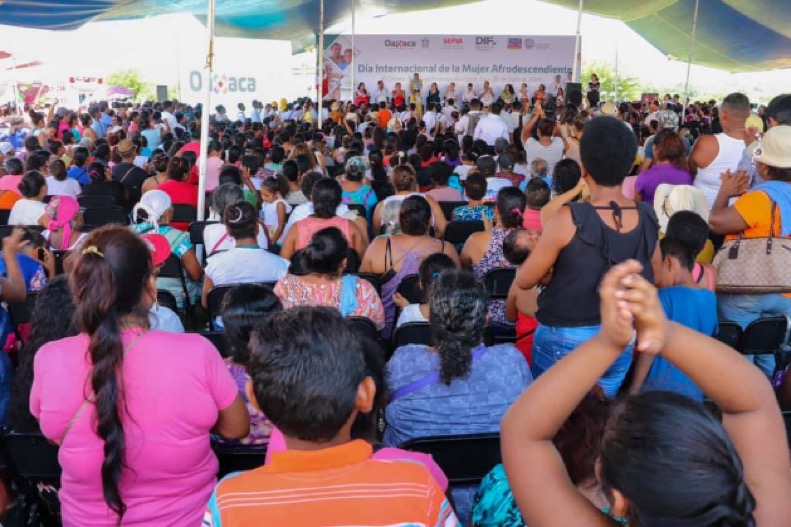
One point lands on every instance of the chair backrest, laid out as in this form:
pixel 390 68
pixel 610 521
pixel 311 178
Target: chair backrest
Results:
pixel 729 333
pixel 364 327
pixel 21 312
pixel 59 257
pixel 217 338
pixel 166 298
pixel 409 288
pixel 214 300
pixel 4 215
pixel 457 232
pixel 237 458
pixel 413 333
pixel 196 231
pixel 96 201
pixel 374 281
pixel 464 459
pixel 764 336
pixel 498 282
pixel 448 206
pixel 32 457
pixel 100 216
pixel 184 213
pixel 6 230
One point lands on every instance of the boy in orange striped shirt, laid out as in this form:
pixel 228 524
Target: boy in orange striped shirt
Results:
pixel 308 376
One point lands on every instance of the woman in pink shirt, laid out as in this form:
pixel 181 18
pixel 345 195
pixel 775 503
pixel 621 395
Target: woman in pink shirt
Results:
pixel 131 408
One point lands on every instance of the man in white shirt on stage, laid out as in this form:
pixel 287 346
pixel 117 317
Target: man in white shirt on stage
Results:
pixel 491 126
pixel 469 95
pixel 554 87
pixel 487 95
pixel 380 93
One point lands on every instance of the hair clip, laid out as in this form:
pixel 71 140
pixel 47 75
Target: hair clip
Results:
pixel 238 218
pixel 436 274
pixel 516 211
pixel 92 249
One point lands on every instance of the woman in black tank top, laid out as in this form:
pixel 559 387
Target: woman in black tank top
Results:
pixel 579 245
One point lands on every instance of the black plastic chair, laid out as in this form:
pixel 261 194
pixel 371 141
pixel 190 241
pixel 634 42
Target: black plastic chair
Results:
pixel 172 268
pixel 457 232
pixel 96 201
pixel 100 216
pixel 364 327
pixel 764 336
pixel 729 333
pixel 413 333
pixel 166 299
pixel 214 301
pixel 6 230
pixel 4 215
pixel 59 257
pixel 409 288
pixel 498 282
pixel 238 458
pixel 32 460
pixel 448 206
pixel 374 281
pixel 184 213
pixel 21 312
pixel 464 459
pixel 196 231
pixel 217 338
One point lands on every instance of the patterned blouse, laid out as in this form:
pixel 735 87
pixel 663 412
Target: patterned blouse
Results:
pixel 295 291
pixel 260 426
pixel 473 213
pixel 494 259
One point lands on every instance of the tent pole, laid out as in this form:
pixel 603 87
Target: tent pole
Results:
pixel 205 111
pixel 354 31
pixel 689 60
pixel 320 53
pixel 577 61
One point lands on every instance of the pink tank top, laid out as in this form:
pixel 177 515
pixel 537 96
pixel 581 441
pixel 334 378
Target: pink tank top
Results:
pixel 311 225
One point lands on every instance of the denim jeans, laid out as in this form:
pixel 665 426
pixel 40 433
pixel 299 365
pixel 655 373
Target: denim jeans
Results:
pixel 744 309
pixel 553 343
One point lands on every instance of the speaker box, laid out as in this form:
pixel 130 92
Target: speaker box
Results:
pixel 573 93
pixel 162 93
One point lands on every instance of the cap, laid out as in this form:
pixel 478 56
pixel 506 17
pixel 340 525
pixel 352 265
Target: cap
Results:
pixel 7 148
pixel 159 247
pixel 125 148
pixel 609 108
pixel 775 148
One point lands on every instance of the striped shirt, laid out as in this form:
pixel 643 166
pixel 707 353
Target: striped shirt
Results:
pixel 339 485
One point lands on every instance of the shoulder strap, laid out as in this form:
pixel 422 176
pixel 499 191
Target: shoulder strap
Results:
pixel 219 242
pixel 389 253
pixel 431 378
pixel 127 173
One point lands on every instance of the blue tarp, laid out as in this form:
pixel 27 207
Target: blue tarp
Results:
pixel 734 35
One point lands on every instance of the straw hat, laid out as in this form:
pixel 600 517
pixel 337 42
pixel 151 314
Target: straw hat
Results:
pixel 774 149
pixel 670 199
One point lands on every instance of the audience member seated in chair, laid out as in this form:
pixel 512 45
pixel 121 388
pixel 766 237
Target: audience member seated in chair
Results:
pixel 395 256
pixel 63 221
pixel 483 251
pixel 365 425
pixel 215 235
pixel 310 354
pixel 246 262
pixel 521 304
pixel 430 268
pixel 244 308
pixel 160 317
pixel 663 459
pixel 152 215
pixel 459 386
pixel 54 315
pixel 324 260
pixel 29 209
pixel 577 442
pixel 103 184
pixel 475 210
pixel 151 398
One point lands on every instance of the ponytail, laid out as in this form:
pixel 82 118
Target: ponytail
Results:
pixel 107 283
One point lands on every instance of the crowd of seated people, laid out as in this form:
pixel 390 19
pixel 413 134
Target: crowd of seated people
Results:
pixel 328 240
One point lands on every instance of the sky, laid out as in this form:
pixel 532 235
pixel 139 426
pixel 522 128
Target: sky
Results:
pixel 163 48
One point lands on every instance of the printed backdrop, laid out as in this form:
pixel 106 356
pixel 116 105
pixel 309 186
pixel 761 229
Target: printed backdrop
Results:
pixel 443 59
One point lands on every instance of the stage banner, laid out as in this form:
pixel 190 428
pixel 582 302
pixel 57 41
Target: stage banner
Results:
pixel 443 59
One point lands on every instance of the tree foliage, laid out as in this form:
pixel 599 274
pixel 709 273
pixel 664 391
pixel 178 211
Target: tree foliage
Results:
pixel 130 79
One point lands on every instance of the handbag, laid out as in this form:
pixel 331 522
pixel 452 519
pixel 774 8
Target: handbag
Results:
pixel 754 266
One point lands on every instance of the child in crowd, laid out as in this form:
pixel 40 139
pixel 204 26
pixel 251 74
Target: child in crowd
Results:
pixel 430 268
pixel 314 357
pixel 475 210
pixel 521 305
pixel 538 193
pixel 688 227
pixel 274 209
pixel 685 302
pixel 243 308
